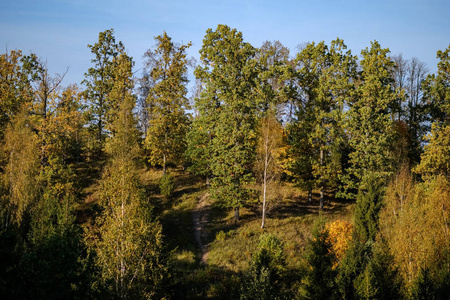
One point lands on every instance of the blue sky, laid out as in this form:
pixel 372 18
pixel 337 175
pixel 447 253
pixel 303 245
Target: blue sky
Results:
pixel 59 30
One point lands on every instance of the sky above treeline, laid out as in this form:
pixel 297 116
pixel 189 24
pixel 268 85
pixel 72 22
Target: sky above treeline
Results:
pixel 58 31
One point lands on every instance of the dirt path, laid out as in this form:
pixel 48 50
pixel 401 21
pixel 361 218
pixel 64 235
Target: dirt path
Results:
pixel 200 217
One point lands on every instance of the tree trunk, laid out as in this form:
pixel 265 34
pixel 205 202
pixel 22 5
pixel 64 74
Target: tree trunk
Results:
pixel 264 205
pixel 321 198
pixel 236 214
pixel 321 188
pixel 164 164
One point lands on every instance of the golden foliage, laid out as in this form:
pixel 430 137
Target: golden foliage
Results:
pixel 339 237
pixel 415 223
pixel 22 165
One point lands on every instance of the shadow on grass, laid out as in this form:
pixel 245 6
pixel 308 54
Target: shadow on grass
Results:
pixel 300 206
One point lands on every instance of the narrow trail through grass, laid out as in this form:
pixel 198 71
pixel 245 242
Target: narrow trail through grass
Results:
pixel 199 218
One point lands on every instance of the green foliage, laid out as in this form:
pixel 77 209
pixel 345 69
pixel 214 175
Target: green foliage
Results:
pixel 359 271
pixel 127 244
pixel 325 78
pixel 270 255
pixel 379 279
pixel 227 107
pixel 267 266
pixel 436 89
pixel 368 205
pixel 167 185
pixel 347 127
pixel 369 122
pixel 122 85
pixel 424 287
pixel 99 81
pixel 320 281
pixel 51 262
pixel 199 146
pixel 436 155
pixel 167 102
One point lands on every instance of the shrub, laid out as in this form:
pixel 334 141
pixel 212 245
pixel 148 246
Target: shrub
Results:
pixel 264 278
pixel 167 185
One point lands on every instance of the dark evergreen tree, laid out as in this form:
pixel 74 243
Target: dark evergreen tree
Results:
pixel 320 281
pixel 267 267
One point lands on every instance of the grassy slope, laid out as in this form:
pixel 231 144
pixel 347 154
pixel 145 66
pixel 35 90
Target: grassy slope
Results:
pixel 229 244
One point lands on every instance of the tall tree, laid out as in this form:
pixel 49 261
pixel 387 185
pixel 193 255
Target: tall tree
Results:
pixel 325 76
pixel 410 110
pixel 98 80
pixel 369 121
pixel 228 107
pixel 122 85
pixel 128 244
pixel 270 152
pixel 436 154
pixel 50 118
pixel 15 89
pixel 436 89
pixel 22 168
pixel 167 102
pixel 273 89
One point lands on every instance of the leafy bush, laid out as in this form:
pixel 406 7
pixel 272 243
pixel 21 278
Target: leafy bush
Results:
pixel 221 236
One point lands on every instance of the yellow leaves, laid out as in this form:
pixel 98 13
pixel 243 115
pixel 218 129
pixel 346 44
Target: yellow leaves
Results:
pixel 415 222
pixel 339 236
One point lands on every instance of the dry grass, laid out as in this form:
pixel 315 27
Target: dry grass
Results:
pixel 230 245
pixel 290 217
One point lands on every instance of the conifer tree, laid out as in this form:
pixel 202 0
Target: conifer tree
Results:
pixel 320 281
pixel 168 121
pixel 264 279
pixel 367 270
pixel 227 107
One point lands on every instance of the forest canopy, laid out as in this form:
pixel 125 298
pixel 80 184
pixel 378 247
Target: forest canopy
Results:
pixel 103 182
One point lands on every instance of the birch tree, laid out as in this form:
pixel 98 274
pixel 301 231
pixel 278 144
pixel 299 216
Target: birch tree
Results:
pixel 127 243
